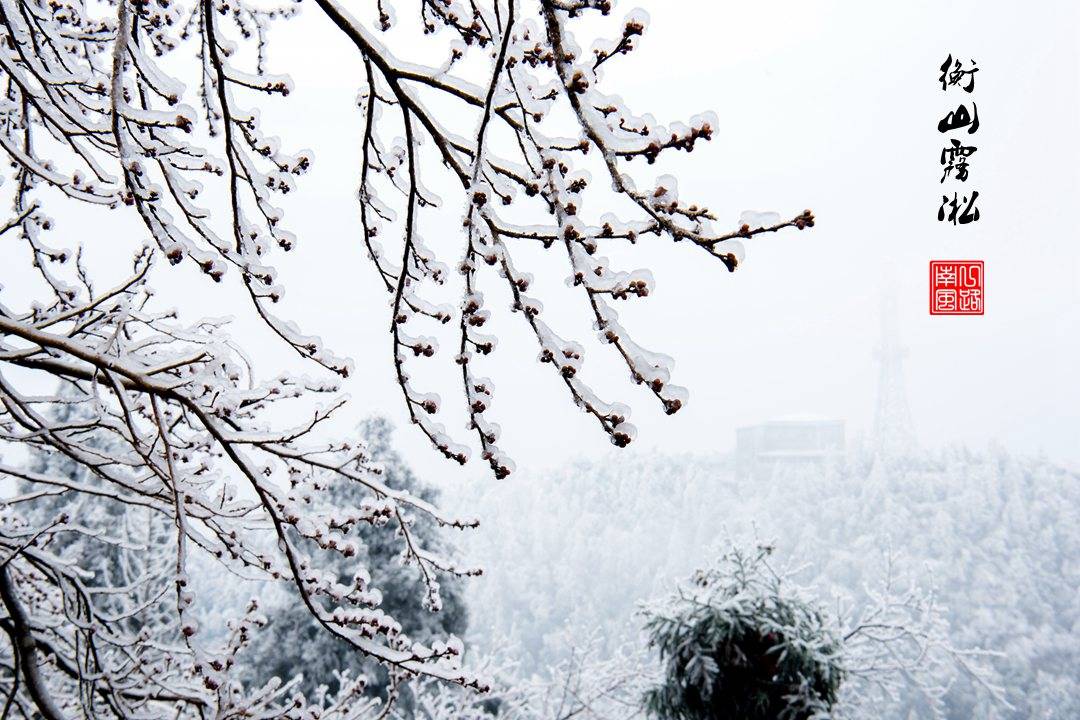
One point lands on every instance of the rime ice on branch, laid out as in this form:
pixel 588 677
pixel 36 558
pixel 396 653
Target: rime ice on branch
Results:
pixel 103 105
pixel 537 71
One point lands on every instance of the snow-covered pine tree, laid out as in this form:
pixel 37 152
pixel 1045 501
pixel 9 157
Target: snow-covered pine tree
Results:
pixel 294 644
pixel 957 549
pixel 743 640
pixel 739 642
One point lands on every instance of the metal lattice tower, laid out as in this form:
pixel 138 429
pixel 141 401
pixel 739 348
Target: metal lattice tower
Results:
pixel 894 433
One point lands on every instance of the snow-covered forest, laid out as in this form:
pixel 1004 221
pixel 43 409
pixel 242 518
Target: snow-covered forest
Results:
pixel 989 536
pixel 296 304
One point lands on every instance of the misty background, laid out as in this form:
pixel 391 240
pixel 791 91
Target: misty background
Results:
pixel 829 105
pixel 826 105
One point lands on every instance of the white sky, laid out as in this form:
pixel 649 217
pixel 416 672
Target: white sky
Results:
pixel 834 106
pixel 830 105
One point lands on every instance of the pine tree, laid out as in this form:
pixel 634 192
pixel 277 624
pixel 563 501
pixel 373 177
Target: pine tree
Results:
pixel 295 644
pixel 738 643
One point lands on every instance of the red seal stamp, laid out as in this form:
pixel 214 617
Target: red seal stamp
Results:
pixel 957 287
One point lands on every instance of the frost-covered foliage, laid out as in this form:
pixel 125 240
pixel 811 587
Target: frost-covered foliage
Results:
pixel 99 603
pixel 1000 543
pixel 739 642
pixel 592 683
pixel 993 534
pixel 107 544
pixel 582 545
pixel 294 644
pixel 744 640
pixel 121 545
pixel 522 180
pixel 892 648
pixel 968 549
pixel 171 438
pixel 149 115
pixel 898 656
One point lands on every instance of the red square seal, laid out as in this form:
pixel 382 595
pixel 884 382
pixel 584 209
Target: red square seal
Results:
pixel 956 287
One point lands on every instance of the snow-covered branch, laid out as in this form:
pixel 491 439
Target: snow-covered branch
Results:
pixel 162 439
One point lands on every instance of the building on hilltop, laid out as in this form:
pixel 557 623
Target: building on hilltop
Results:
pixel 794 440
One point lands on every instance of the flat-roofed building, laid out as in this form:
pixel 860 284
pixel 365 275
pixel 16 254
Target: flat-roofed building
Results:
pixel 792 440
